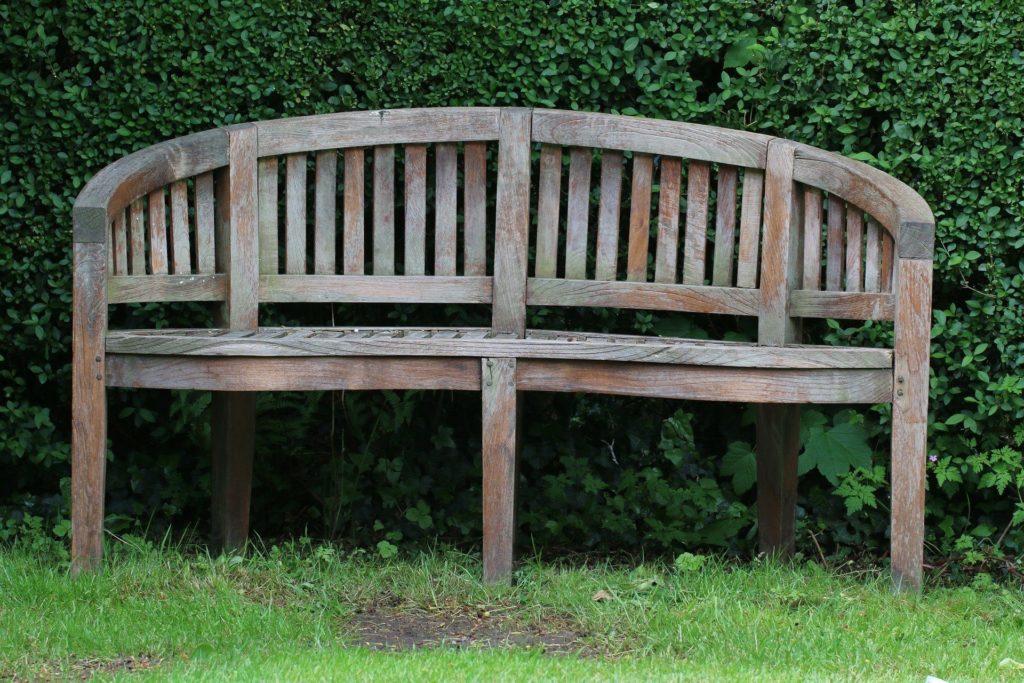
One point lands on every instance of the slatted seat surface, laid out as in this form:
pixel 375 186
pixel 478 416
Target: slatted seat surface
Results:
pixel 478 342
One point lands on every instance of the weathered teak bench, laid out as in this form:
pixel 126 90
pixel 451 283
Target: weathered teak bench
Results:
pixel 795 232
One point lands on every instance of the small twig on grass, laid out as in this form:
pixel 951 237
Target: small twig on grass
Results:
pixel 814 538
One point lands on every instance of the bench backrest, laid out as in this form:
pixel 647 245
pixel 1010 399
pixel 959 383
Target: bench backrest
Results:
pixel 627 212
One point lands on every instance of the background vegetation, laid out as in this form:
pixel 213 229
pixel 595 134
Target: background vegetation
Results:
pixel 928 91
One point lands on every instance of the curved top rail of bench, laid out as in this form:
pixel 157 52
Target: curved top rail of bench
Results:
pixel 898 208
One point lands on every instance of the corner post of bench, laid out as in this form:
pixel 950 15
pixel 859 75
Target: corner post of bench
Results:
pixel 88 387
pixel 910 401
pixel 778 425
pixel 233 414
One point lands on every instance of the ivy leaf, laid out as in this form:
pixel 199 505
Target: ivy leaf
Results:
pixel 836 451
pixel 740 463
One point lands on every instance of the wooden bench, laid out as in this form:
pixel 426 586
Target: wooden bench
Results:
pixel 771 229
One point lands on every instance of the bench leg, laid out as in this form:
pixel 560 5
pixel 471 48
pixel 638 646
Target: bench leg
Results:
pixel 500 445
pixel 233 431
pixel 778 446
pixel 909 447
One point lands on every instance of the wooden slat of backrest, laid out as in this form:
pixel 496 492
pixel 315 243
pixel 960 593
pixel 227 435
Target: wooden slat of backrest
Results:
pixel 243 269
pixel 267 193
pixel 750 228
pixel 667 248
pixel 725 226
pixel 854 249
pixel 512 222
pixel 549 192
pixel 872 257
pixel 205 244
pixel 157 233
pixel 295 215
pixel 812 238
pixel 698 181
pixel 355 179
pixel 325 207
pixel 415 209
pixel 445 208
pixel 608 215
pixel 779 263
pixel 639 218
pixel 221 229
pixel 180 249
pixel 119 245
pixel 137 236
pixel 885 282
pixel 577 211
pixel 384 210
pixel 474 211
pixel 834 245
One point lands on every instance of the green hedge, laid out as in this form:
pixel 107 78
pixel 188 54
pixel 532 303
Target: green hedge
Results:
pixel 930 92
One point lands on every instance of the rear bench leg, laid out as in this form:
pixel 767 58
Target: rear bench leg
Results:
pixel 499 466
pixel 908 477
pixel 778 443
pixel 233 430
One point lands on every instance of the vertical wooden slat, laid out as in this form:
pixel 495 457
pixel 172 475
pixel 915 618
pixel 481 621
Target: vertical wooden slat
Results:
pixel 750 228
pixel 445 209
pixel 221 229
pixel 725 226
pixel 295 214
pixel 415 209
pixel 384 210
pixel 119 244
pixel 577 212
pixel 157 233
pixel 667 249
pixel 854 249
pixel 834 245
pixel 812 239
pixel 180 248
pixel 499 466
pixel 698 181
pixel 512 222
pixel 137 237
pixel 243 268
pixel 205 242
pixel 608 215
pixel 886 268
pixel 474 201
pixel 549 191
pixel 324 211
pixel 639 218
pixel 872 257
pixel 355 180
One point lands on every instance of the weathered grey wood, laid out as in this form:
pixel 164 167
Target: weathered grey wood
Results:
pixel 812 239
pixel 698 180
pixel 233 427
pixel 206 261
pixel 244 267
pixel 498 392
pixel 608 215
pixel 474 198
pixel 653 296
pixel 805 303
pixel 667 245
pixel 639 218
pixel 834 245
pixel 750 228
pixel 375 289
pixel 267 210
pixel 725 226
pixel 325 208
pixel 221 221
pixel 180 248
pixel 549 192
pixel 577 210
pixel 778 443
pixel 512 222
pixel 136 289
pixel 445 208
pixel 295 214
pixel 854 249
pixel 355 256
pixel 157 233
pixel 384 210
pixel 119 245
pixel 415 209
pixel 137 236
pixel 888 263
pixel 872 257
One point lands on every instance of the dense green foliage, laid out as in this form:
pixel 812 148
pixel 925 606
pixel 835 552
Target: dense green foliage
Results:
pixel 930 92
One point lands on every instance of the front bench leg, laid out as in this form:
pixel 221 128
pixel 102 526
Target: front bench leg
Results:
pixel 778 445
pixel 233 428
pixel 500 436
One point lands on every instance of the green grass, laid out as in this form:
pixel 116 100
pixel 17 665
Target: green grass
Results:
pixel 288 615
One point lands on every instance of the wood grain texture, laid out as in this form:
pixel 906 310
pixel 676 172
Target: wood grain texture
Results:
pixel 295 214
pixel 244 268
pixel 512 222
pixel 805 303
pixel 577 213
pixel 698 180
pixel 725 226
pixel 415 209
pixel 157 224
pixel 206 261
pixel 232 435
pixel 293 374
pixel 474 202
pixel 267 210
pixel 645 295
pixel 778 446
pixel 354 256
pixel 221 221
pixel 136 289
pixel 119 244
pixel 666 250
pixel 498 393
pixel 854 249
pixel 888 264
pixel 375 289
pixel 834 245
pixel 445 209
pixel 325 208
pixel 384 210
pixel 549 193
pixel 608 215
pixel 137 236
pixel 181 250
pixel 812 239
pixel 779 257
pixel 88 405
pixel 872 257
pixel 639 218
pixel 750 228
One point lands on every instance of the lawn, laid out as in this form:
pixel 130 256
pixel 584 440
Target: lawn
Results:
pixel 312 613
